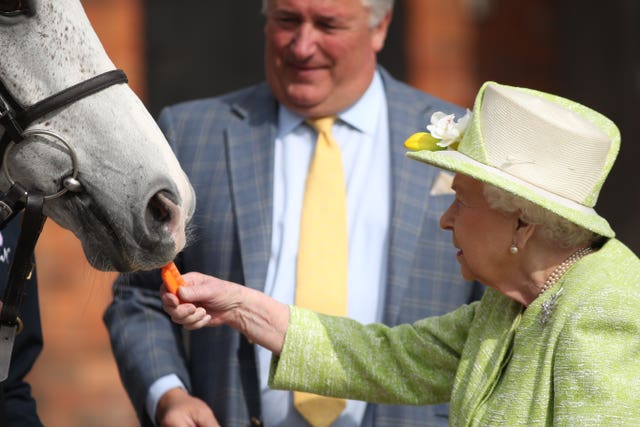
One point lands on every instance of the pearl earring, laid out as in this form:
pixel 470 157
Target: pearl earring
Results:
pixel 513 249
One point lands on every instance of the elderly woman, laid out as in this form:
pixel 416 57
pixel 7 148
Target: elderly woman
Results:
pixel 556 338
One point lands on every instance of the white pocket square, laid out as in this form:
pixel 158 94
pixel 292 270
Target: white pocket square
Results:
pixel 442 184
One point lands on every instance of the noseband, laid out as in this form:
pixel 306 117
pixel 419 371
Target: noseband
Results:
pixel 15 119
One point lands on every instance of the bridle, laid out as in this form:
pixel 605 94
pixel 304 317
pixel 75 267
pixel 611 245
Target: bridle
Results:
pixel 15 119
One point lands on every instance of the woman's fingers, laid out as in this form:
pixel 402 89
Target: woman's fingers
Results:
pixel 188 315
pixel 198 322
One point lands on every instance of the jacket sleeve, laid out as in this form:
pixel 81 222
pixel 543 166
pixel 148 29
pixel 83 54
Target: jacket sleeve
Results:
pixel 145 343
pixel 19 404
pixel 407 364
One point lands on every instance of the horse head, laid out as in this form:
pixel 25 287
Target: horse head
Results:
pixel 105 168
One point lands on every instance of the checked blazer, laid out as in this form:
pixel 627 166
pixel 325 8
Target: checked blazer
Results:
pixel 226 146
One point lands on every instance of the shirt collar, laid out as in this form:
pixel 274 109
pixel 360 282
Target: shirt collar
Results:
pixel 358 115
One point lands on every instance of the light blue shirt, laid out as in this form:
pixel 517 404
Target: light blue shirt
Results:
pixel 362 132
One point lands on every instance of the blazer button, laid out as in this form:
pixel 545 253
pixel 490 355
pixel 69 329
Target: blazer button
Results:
pixel 256 422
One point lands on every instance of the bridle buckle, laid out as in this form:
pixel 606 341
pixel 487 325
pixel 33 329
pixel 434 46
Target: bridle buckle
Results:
pixel 11 202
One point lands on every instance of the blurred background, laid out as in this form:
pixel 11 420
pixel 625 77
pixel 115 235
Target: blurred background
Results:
pixel 585 50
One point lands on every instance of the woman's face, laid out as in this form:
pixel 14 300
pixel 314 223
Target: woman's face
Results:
pixel 481 234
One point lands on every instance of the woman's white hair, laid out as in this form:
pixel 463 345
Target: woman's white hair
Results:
pixel 552 226
pixel 379 8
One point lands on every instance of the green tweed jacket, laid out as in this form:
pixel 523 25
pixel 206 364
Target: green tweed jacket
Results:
pixel 572 358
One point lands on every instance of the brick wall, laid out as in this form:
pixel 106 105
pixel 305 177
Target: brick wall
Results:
pixel 453 46
pixel 75 381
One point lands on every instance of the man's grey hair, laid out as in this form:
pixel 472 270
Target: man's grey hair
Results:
pixel 379 9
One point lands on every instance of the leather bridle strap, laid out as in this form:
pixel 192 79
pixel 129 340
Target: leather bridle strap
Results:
pixel 15 118
pixel 22 265
pixel 71 95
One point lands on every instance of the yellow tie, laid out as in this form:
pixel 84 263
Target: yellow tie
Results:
pixel 321 282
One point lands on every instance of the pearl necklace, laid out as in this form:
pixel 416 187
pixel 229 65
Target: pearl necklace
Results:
pixel 562 268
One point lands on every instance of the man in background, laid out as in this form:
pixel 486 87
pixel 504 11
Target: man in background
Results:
pixel 247 154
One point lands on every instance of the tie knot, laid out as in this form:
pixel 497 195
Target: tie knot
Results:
pixel 322 124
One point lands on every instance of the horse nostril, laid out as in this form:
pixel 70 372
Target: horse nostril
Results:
pixel 164 221
pixel 159 208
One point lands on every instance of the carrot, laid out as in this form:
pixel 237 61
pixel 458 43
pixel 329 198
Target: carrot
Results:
pixel 171 277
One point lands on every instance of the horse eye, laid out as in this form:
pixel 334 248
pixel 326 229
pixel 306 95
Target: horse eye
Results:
pixel 14 7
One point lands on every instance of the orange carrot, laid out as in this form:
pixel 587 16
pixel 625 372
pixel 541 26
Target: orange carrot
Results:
pixel 171 277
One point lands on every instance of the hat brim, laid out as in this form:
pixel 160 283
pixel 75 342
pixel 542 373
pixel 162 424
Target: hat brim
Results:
pixel 457 162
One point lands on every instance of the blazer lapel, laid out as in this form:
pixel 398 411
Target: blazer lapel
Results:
pixel 410 182
pixel 250 144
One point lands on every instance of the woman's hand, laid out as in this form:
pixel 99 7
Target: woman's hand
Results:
pixel 208 301
pixel 205 299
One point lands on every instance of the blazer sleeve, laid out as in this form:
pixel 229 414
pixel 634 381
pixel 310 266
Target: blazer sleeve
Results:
pixel 145 343
pixel 339 357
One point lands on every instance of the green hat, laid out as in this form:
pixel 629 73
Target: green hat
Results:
pixel 549 150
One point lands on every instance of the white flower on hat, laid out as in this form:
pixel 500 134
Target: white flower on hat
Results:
pixel 444 133
pixel 445 128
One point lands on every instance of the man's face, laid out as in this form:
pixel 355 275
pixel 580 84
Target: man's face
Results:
pixel 320 55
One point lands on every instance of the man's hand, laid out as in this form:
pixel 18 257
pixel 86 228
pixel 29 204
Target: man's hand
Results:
pixel 177 408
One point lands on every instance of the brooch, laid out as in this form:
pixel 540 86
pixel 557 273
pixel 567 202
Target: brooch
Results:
pixel 548 306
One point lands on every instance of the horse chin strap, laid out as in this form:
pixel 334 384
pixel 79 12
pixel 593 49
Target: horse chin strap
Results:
pixel 15 120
